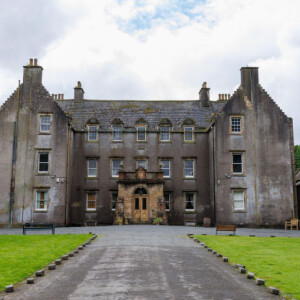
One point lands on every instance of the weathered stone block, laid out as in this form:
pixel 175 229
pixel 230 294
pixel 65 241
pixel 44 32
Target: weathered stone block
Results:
pixel 242 270
pixel 250 275
pixel 195 239
pixel 80 247
pixel 209 249
pixel 240 266
pixel 198 242
pixel 252 235
pixel 65 257
pixel 58 261
pixel 83 245
pixel 71 254
pixel 9 288
pixel 204 246
pixel 30 280
pixel 39 273
pixel 225 259
pixel 273 290
pixel 52 267
pixel 260 281
pixel 214 252
pixel 219 255
pixel 76 251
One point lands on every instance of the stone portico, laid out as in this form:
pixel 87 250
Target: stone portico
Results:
pixel 141 197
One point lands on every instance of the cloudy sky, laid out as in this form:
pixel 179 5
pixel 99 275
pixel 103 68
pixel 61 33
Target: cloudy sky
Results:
pixel 153 49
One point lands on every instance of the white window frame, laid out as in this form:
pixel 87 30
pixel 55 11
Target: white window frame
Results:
pixel 241 164
pixel 90 168
pixel 194 201
pixel 114 168
pixel 112 200
pixel 167 196
pixel 162 161
pixel 139 131
pixel 90 132
pixel 239 196
pixel 165 133
pixel 87 201
pixel 233 125
pixel 117 133
pixel 188 130
pixel 37 199
pixel 45 123
pixel 139 162
pixel 193 168
pixel 40 163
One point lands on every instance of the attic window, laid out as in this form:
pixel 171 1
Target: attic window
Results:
pixel 92 133
pixel 45 122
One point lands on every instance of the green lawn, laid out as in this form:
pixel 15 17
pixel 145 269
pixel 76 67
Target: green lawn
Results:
pixel 21 256
pixel 277 260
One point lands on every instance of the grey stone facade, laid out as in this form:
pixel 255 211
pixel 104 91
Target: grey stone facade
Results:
pixel 229 160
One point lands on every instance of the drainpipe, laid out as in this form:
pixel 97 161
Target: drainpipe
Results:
pixel 67 179
pixel 214 179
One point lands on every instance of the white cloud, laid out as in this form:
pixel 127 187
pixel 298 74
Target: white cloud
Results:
pixel 165 50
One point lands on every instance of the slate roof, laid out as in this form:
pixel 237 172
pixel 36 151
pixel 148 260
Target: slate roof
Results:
pixel 105 111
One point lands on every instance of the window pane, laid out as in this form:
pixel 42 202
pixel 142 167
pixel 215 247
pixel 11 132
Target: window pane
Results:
pixel 114 200
pixel 167 200
pixel 92 168
pixel 144 203
pixel 238 200
pixel 116 164
pixel 41 200
pixel 43 162
pixel 137 203
pixel 164 133
pixel 93 133
pixel 237 163
pixel 236 124
pixel 188 133
pixel 189 201
pixel 141 133
pixel 141 163
pixel 91 201
pixel 45 123
pixel 165 165
pixel 117 133
pixel 189 168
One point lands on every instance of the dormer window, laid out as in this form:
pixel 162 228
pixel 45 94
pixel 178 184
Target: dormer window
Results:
pixel 165 133
pixel 117 133
pixel 92 133
pixel 141 133
pixel 188 133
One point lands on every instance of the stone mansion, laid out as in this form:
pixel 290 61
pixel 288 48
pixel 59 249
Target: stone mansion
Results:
pixel 87 162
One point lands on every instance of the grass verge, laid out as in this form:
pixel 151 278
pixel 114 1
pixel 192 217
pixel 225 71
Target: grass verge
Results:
pixel 277 260
pixel 21 256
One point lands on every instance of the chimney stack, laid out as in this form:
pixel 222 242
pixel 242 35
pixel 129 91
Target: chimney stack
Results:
pixel 32 73
pixel 204 95
pixel 249 82
pixel 78 92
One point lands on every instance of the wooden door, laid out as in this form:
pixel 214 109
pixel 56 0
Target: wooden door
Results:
pixel 141 212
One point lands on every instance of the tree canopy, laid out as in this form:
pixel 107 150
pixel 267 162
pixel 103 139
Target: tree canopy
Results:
pixel 297 157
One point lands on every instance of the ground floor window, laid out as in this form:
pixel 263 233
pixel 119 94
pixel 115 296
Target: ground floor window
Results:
pixel 41 200
pixel 239 200
pixel 114 196
pixel 167 197
pixel 91 201
pixel 189 201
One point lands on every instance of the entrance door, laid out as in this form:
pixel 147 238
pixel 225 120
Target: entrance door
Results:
pixel 140 209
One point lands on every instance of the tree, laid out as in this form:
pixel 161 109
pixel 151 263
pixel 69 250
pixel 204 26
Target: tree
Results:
pixel 297 157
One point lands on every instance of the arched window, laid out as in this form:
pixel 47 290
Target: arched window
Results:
pixel 140 191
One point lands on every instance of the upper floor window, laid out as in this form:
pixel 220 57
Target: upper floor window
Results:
pixel 91 201
pixel 141 133
pixel 189 168
pixel 92 133
pixel 115 167
pixel 165 133
pixel 236 124
pixel 239 200
pixel 41 200
pixel 117 133
pixel 43 163
pixel 141 163
pixel 167 197
pixel 188 134
pixel 45 123
pixel 189 201
pixel 166 167
pixel 237 163
pixel 92 168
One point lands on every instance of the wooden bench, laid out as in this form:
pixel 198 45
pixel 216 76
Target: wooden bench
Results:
pixel 226 228
pixel 30 226
pixel 292 224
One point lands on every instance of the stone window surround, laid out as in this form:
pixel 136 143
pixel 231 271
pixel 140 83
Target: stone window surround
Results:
pixel 89 131
pixel 41 151
pixel 140 160
pixel 169 200
pixel 117 132
pixel 47 200
pixel 40 116
pixel 112 193
pixel 184 168
pixel 87 200
pixel 185 131
pixel 194 201
pixel 89 168
pixel 141 131
pixel 170 166
pixel 121 159
pixel 162 132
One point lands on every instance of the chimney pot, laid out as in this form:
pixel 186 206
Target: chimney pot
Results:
pixel 225 96
pixel 30 62
pixel 229 96
pixel 35 62
pixel 62 96
pixel 55 96
pixel 219 96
